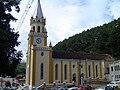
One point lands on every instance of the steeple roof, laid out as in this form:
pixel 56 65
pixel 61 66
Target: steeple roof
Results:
pixel 50 45
pixel 39 10
pixel 45 30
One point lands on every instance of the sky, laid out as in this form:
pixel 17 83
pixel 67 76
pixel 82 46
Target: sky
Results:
pixel 65 18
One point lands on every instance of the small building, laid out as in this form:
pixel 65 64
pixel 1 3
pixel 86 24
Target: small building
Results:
pixel 114 71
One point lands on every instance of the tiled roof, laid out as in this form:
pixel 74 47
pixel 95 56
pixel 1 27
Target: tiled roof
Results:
pixel 77 55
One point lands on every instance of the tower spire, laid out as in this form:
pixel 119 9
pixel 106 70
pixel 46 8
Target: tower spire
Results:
pixel 39 10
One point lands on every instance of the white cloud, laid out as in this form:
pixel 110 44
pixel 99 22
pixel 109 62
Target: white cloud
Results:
pixel 115 8
pixel 68 17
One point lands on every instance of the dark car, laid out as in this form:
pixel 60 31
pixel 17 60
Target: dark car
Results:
pixel 86 87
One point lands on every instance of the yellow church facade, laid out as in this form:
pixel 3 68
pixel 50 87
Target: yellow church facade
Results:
pixel 45 65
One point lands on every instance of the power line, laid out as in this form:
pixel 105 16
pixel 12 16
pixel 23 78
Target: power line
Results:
pixel 28 6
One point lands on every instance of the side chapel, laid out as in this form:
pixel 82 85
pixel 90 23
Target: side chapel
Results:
pixel 45 65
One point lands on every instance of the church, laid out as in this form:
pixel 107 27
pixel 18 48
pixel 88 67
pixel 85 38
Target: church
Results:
pixel 45 65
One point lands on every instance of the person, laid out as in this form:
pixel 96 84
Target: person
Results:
pixel 82 80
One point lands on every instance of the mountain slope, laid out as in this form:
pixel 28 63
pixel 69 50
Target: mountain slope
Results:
pixel 101 39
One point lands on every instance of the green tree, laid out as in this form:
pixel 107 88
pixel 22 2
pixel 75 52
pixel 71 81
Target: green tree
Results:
pixel 21 69
pixel 9 56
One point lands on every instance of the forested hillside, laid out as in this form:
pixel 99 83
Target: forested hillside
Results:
pixel 103 39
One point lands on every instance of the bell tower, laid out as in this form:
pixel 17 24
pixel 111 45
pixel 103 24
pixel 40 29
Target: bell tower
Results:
pixel 39 55
pixel 38 27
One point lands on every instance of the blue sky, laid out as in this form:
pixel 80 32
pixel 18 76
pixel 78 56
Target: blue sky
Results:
pixel 65 18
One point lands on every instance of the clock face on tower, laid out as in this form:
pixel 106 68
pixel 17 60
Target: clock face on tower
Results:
pixel 38 40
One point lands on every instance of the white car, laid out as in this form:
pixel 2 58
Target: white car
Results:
pixel 68 87
pixel 73 88
pixel 100 88
pixel 113 83
pixel 104 88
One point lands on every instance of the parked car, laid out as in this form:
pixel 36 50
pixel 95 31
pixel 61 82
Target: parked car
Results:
pixel 114 84
pixel 86 87
pixel 104 88
pixel 118 84
pixel 0 88
pixel 66 87
pixel 63 88
pixel 73 88
pixel 100 88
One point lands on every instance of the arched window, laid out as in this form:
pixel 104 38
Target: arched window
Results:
pixel 65 72
pixel 42 70
pixel 38 28
pixel 89 70
pixel 74 77
pixel 56 72
pixel 33 28
pixel 42 29
pixel 33 20
pixel 96 70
